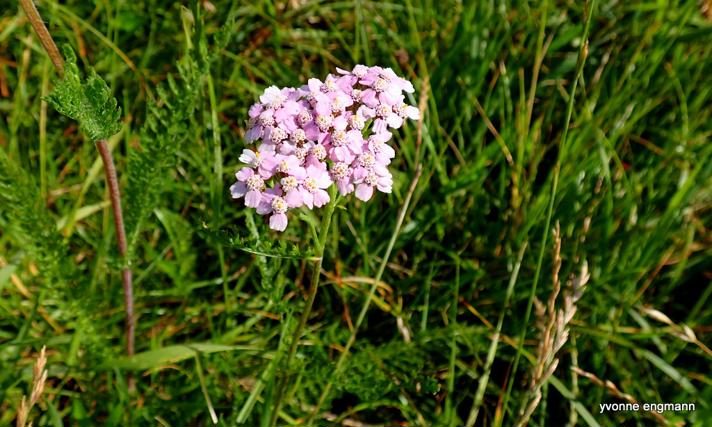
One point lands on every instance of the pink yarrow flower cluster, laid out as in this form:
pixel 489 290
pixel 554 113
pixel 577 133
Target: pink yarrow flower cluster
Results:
pixel 331 132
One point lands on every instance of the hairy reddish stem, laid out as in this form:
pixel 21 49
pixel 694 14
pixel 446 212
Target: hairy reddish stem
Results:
pixel 110 170
pixel 45 37
pixel 113 183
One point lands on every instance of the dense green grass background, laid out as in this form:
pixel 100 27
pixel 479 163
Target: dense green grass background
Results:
pixel 633 197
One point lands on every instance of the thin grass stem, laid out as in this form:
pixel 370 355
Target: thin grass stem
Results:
pixel 450 402
pixel 582 54
pixel 484 378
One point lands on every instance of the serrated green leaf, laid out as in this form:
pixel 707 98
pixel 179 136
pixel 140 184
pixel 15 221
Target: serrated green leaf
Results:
pixel 89 102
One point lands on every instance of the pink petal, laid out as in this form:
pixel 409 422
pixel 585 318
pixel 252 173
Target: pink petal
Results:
pixel 394 121
pixel 387 152
pixel 238 190
pixel 298 172
pixel 244 174
pixel 314 85
pixel 381 170
pixel 323 108
pixel 340 123
pixel 254 133
pixel 379 126
pixel 345 187
pixel 266 149
pixel 407 86
pixel 346 83
pixel 255 110
pixel 345 100
pixel 312 131
pixel 278 222
pixel 385 185
pixel 364 192
pixel 308 199
pixel 293 199
pixel 412 112
pixel 369 78
pixel 382 136
pixel 365 112
pixel 289 124
pixel 354 137
pixel 393 94
pixel 282 114
pixel 286 148
pixel 359 173
pixel 368 97
pixel 323 180
pixel 270 94
pixel 390 98
pixel 321 198
pixel 253 198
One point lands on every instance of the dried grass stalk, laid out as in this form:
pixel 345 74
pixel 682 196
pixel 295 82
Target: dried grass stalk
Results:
pixel 553 325
pixel 39 378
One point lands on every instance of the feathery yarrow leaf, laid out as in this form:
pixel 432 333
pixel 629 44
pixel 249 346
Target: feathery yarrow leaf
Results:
pixel 230 237
pixel 167 126
pixel 89 102
pixel 24 209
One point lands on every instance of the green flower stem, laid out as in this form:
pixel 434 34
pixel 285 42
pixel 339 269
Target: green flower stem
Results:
pixel 362 315
pixel 313 287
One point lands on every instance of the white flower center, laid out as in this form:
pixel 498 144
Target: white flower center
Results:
pixel 310 185
pixel 301 153
pixel 319 152
pixel 360 71
pixel 366 160
pixel 305 117
pixel 278 135
pixel 283 166
pixel 277 101
pixel 329 85
pixel 323 122
pixel 356 94
pixel 266 120
pixel 376 146
pixel 400 109
pixel 383 110
pixel 340 170
pixel 371 179
pixel 357 122
pixel 336 105
pixel 338 138
pixel 279 205
pixel 255 183
pixel 289 183
pixel 299 136
pixel 380 84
